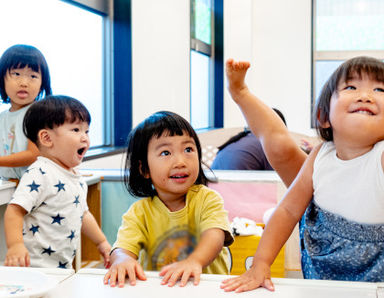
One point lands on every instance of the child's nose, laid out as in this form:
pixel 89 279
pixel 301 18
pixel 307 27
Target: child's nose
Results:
pixel 365 96
pixel 179 160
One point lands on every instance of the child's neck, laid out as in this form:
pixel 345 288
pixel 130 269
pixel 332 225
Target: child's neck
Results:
pixel 174 204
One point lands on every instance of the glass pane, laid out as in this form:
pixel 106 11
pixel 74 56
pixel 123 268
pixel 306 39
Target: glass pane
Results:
pixel 199 90
pixel 324 70
pixel 349 25
pixel 71 40
pixel 201 20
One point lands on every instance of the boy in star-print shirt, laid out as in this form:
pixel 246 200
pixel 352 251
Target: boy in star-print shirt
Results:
pixel 48 210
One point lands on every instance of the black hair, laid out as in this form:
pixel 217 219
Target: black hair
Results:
pixel 136 164
pixel 52 112
pixel 244 133
pixel 20 56
pixel 351 68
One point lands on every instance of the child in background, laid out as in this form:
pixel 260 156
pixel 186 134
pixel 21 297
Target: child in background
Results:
pixel 181 226
pixel 24 78
pixel 51 195
pixel 340 239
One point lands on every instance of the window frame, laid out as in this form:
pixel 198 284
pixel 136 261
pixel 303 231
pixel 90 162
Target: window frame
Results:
pixel 215 52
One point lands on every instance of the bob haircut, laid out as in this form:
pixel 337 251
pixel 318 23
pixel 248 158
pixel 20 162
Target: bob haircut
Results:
pixel 136 165
pixel 52 112
pixel 20 56
pixel 352 68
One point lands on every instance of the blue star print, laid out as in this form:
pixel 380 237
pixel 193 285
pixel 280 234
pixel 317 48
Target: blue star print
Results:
pixel 57 219
pixel 72 235
pixel 34 229
pixel 41 171
pixel 34 186
pixel 60 186
pixel 62 265
pixel 48 250
pixel 76 201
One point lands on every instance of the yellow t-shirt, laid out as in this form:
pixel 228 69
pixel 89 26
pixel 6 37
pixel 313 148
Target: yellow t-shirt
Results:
pixel 166 237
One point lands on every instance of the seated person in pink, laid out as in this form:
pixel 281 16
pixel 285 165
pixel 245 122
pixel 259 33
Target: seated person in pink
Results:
pixel 243 152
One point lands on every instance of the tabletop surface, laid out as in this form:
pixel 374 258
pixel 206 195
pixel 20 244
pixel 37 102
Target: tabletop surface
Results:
pixel 89 283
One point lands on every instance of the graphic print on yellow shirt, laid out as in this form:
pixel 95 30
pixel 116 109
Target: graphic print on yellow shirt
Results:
pixel 174 247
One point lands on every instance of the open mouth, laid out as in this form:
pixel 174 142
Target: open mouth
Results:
pixel 179 176
pixel 81 151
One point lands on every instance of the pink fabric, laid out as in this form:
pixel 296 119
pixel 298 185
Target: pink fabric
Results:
pixel 248 200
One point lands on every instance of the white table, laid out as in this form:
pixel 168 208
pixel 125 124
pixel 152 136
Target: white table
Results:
pixel 89 283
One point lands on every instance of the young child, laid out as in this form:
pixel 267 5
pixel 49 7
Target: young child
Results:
pixel 341 240
pixel 24 78
pixel 180 228
pixel 48 210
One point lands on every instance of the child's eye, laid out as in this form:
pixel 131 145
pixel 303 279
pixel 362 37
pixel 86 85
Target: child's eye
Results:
pixel 350 87
pixel 34 76
pixel 189 149
pixel 76 129
pixel 379 89
pixel 165 153
pixel 14 74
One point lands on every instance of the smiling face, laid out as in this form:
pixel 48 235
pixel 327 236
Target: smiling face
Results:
pixel 66 144
pixel 357 111
pixel 173 164
pixel 22 86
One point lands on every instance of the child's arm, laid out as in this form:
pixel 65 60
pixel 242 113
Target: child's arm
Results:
pixel 281 150
pixel 92 230
pixel 209 246
pixel 17 254
pixel 277 231
pixel 22 158
pixel 123 263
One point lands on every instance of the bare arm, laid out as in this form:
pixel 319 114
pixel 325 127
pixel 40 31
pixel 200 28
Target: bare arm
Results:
pixel 17 254
pixel 22 158
pixel 281 150
pixel 92 230
pixel 208 248
pixel 277 231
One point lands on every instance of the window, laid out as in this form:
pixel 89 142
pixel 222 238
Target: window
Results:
pixel 206 64
pixel 73 41
pixel 343 29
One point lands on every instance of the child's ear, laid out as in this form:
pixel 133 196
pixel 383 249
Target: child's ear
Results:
pixel 44 138
pixel 145 175
pixel 323 124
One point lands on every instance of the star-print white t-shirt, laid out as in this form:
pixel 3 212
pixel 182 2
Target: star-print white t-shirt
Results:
pixel 55 201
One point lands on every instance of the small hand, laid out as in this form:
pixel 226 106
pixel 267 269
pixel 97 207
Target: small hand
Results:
pixel 105 249
pixel 17 255
pixel 182 271
pixel 122 267
pixel 235 72
pixel 256 276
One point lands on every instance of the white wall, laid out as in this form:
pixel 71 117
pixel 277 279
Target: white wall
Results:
pixel 160 57
pixel 274 35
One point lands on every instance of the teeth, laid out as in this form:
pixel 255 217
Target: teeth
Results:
pixel 364 112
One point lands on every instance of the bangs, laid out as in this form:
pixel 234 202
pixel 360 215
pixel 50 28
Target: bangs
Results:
pixel 357 68
pixel 22 60
pixel 160 124
pixel 77 114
